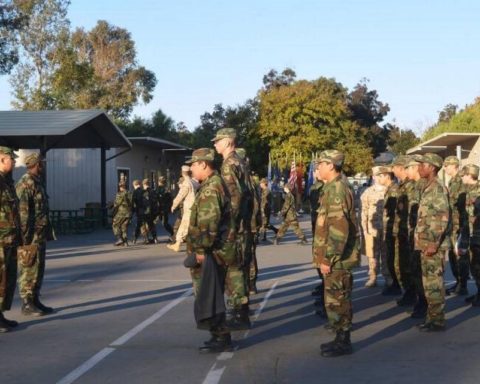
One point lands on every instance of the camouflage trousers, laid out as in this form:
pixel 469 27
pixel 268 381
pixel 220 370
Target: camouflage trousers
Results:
pixel 295 226
pixel 459 264
pixel 120 226
pixel 30 277
pixel 338 298
pixel 432 279
pixel 403 262
pixel 417 273
pixel 8 276
pixel 377 257
pixel 251 270
pixel 390 242
pixel 140 223
pixel 149 226
pixel 475 264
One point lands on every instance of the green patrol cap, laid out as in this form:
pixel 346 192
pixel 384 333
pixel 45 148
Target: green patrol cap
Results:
pixel 413 160
pixel 332 156
pixel 451 160
pixel 431 158
pixel 201 154
pixel 32 159
pixel 8 151
pixel 401 160
pixel 383 169
pixel 241 152
pixel 471 169
pixel 224 133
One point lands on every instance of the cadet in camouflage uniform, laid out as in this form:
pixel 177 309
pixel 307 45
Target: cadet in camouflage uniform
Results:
pixel 336 250
pixel 385 178
pixel 36 229
pixel 250 264
pixel 403 254
pixel 372 225
pixel 431 238
pixel 233 173
pixel 164 199
pixel 456 194
pixel 266 209
pixel 289 215
pixel 137 198
pixel 122 214
pixel 211 234
pixel 411 168
pixel 471 228
pixel 150 212
pixel 10 236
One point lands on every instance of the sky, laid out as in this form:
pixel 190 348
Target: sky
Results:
pixel 418 55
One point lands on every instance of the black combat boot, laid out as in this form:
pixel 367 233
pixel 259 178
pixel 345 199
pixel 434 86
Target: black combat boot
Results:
pixel 461 289
pixel 430 327
pixel 303 241
pixel 125 241
pixel 29 308
pixel 119 241
pixel 238 319
pixel 392 290
pixel 452 289
pixel 46 310
pixel 339 347
pixel 217 344
pixel 5 323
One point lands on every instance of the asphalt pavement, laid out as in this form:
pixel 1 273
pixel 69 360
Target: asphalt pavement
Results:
pixel 125 315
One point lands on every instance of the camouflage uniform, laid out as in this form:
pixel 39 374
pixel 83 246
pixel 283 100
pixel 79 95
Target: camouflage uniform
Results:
pixel 10 238
pixel 164 200
pixel 314 197
pixel 432 230
pixel 266 210
pixel 122 214
pixel 372 224
pixel 150 212
pixel 389 231
pixel 137 199
pixel 233 173
pixel 289 216
pixel 459 263
pixel 336 244
pixel 403 254
pixel 472 231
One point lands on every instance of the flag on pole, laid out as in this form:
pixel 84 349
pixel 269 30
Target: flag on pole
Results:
pixel 310 178
pixel 292 179
pixel 269 172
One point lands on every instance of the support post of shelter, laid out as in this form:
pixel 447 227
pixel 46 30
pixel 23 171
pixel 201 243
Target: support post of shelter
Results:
pixel 459 152
pixel 103 184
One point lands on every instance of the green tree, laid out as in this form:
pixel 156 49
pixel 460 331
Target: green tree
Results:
pixel 447 113
pixel 47 21
pixel 273 79
pixel 399 141
pixel 12 20
pixel 368 112
pixel 310 116
pixel 98 69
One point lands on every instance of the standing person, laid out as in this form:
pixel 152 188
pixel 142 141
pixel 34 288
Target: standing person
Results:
pixel 185 197
pixel 403 254
pixel 392 286
pixel 289 215
pixel 471 229
pixel 36 229
pixel 150 211
pixel 122 214
pixel 431 238
pixel 137 199
pixel 456 195
pixel 372 225
pixel 266 209
pixel 10 236
pixel 314 195
pixel 164 199
pixel 233 173
pixel 336 250
pixel 211 239
pixel 414 195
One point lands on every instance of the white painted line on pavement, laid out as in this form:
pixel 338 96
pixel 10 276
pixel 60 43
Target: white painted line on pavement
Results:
pixel 144 324
pixel 215 374
pixel 89 364
pixel 94 360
